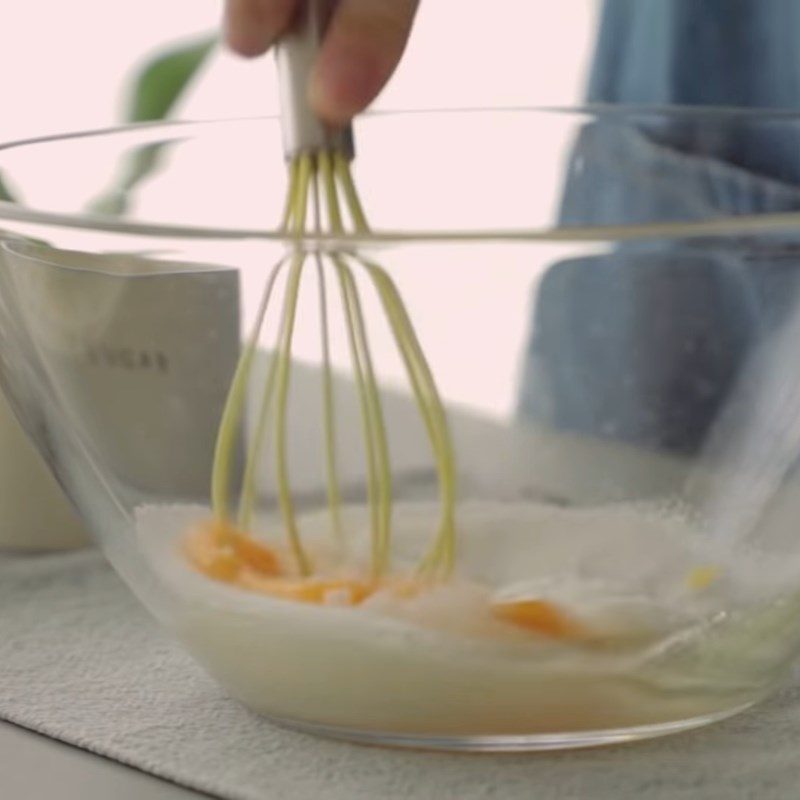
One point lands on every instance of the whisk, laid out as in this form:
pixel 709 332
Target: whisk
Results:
pixel 323 198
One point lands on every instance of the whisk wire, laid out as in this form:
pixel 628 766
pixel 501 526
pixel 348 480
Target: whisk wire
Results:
pixel 375 417
pixel 253 462
pixel 316 181
pixel 421 378
pixel 353 201
pixel 433 415
pixel 379 478
pixel 233 410
pixel 284 371
pixel 291 195
pixel 328 398
pixel 250 477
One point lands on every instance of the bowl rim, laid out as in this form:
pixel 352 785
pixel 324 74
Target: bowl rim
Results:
pixel 729 226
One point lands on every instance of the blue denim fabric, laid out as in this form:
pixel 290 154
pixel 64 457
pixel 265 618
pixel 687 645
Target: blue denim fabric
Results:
pixel 599 361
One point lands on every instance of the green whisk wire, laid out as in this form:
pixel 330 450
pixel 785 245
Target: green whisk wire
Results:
pixel 328 400
pixel 323 176
pixel 379 478
pixel 285 502
pixel 442 555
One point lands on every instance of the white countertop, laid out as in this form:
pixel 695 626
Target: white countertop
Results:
pixel 34 767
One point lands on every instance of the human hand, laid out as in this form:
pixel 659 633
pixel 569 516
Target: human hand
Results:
pixel 363 45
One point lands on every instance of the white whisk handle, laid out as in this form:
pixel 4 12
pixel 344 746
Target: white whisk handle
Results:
pixel 295 53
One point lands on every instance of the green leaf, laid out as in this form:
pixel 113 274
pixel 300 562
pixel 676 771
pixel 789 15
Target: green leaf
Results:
pixel 162 81
pixel 157 88
pixel 5 193
pixel 140 163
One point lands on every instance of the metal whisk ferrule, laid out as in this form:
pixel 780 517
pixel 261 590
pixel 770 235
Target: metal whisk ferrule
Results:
pixel 303 131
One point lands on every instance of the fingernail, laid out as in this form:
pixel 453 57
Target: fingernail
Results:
pixel 242 41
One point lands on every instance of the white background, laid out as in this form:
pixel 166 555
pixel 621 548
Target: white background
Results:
pixel 64 63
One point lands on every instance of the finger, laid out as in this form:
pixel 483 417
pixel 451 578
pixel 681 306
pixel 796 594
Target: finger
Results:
pixel 362 48
pixel 251 26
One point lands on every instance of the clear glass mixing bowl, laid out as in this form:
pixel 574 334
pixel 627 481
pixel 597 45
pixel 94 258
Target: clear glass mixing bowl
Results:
pixel 599 295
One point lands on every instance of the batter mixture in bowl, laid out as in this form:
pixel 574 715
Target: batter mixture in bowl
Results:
pixel 555 622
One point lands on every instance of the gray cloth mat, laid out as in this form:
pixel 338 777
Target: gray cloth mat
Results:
pixel 80 661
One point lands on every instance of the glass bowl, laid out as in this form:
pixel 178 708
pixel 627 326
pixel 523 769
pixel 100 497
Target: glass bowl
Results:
pixel 555 365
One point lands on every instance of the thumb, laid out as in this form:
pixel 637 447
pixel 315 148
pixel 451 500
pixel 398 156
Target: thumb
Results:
pixel 363 45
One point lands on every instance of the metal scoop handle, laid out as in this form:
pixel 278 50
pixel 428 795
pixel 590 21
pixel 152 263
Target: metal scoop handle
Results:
pixel 295 53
